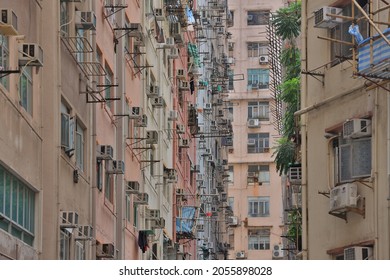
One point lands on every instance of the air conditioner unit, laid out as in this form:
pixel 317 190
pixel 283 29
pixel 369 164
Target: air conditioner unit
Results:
pixel 170 175
pixel 105 152
pixel 221 30
pixel 295 175
pixel 172 115
pixel 323 20
pixel 210 158
pixel 106 250
pixel 252 174
pixel 208 106
pixel 116 167
pixel 356 128
pixel 253 123
pixel 142 121
pixel 132 187
pixel 233 221
pixel 180 128
pixel 184 85
pixel 343 196
pixel 84 232
pixel 135 30
pixel 8 22
pixel 251 142
pixel 224 197
pixel 152 214
pixel 277 252
pixel 30 54
pixel 207 152
pixel 157 102
pixel 240 255
pixel 199 177
pixel 141 199
pixel 154 91
pixel 180 74
pixel 151 137
pixel 85 20
pixel 184 143
pixel 158 13
pixel 169 43
pixel 179 192
pixel 69 219
pixel 230 60
pixel 357 253
pixel 263 59
pixel 174 53
pixel 159 223
pixel 200 228
pixel 135 112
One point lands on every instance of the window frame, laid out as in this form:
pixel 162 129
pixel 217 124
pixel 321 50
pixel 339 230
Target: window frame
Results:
pixel 258 206
pixel 4 59
pixel 261 143
pixel 26 93
pixel 258 17
pixel 261 109
pixel 259 239
pixel 257 49
pixel 258 78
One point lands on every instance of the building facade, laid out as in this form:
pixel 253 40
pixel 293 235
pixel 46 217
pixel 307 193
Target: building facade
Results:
pixel 255 188
pixel 344 130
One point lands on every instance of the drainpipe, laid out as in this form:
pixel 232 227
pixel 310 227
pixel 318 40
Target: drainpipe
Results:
pixel 305 254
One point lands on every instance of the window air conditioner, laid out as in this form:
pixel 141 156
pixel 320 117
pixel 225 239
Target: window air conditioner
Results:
pixel 157 102
pixel 106 250
pixel 207 106
pixel 135 112
pixel 169 43
pixel 142 121
pixel 69 219
pixel 207 152
pixel 158 13
pixel 151 137
pixel 179 192
pixel 152 214
pixel 184 143
pixel 141 199
pixel 116 167
pixel 210 158
pixel 200 228
pixel 132 187
pixel 357 253
pixel 343 196
pixel 172 115
pixel 224 197
pixel 356 128
pixel 30 54
pixel 251 142
pixel 263 59
pixel 183 85
pixel 8 22
pixel 105 152
pixel 253 123
pixel 199 177
pixel 171 175
pixel 180 74
pixel 85 20
pixel 323 20
pixel 158 223
pixel 153 92
pixel 180 128
pixel 240 255
pixel 174 53
pixel 233 221
pixel 135 30
pixel 84 232
pixel 277 252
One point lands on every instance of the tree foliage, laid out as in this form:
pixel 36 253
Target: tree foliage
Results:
pixel 287 21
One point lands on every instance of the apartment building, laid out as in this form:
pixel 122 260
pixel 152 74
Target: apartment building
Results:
pixel 344 120
pixel 255 188
pixel 98 156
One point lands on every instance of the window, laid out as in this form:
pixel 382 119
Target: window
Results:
pixel 258 78
pixel 258 110
pixel 258 239
pixel 80 146
pixel 258 206
pixel 230 19
pixel 261 172
pixel 67 129
pixel 258 17
pixel 231 203
pixel 109 185
pixel 80 48
pixel 4 59
pixel 17 207
pixel 352 159
pixel 64 245
pixel 231 79
pixel 231 174
pixel 128 208
pixel 340 32
pixel 80 251
pixel 108 82
pixel 26 89
pixel 258 143
pixel 64 19
pixel 256 49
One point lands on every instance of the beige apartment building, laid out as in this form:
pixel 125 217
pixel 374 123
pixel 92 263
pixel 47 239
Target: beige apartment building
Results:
pixel 98 157
pixel 344 120
pixel 255 188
